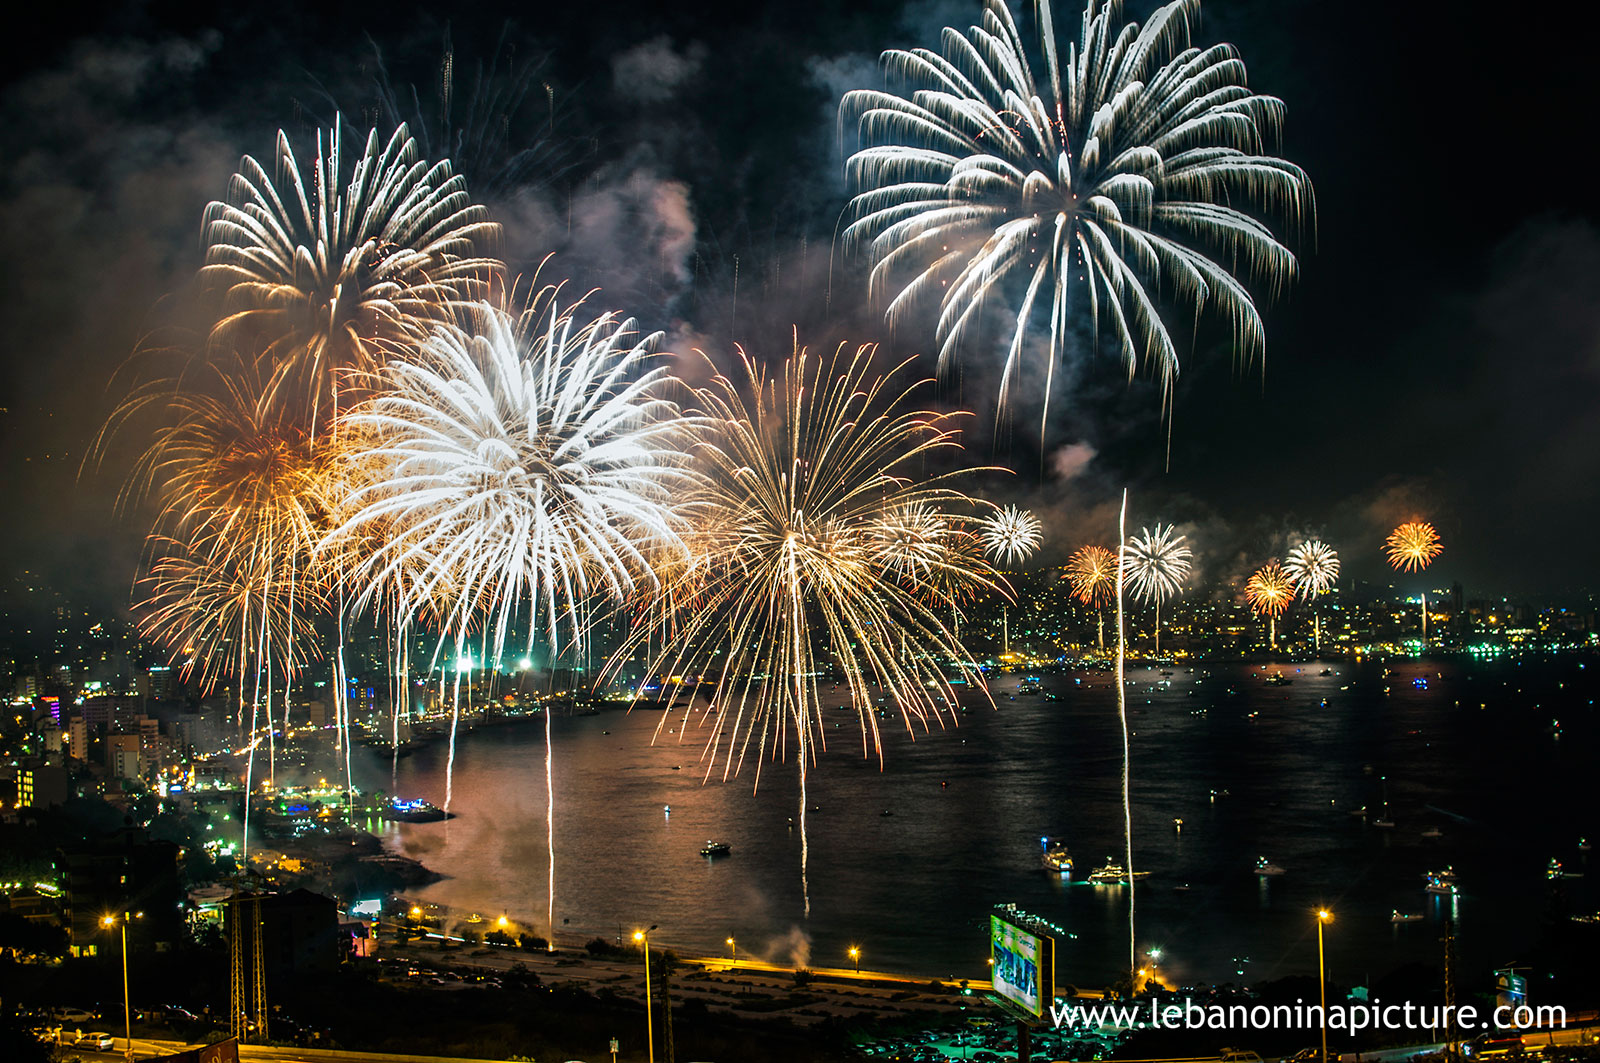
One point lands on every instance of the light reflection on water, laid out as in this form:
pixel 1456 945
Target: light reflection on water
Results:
pixel 968 806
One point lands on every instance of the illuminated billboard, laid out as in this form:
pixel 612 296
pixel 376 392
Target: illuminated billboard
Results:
pixel 1022 964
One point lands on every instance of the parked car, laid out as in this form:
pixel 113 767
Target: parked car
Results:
pixel 99 1041
pixel 71 1016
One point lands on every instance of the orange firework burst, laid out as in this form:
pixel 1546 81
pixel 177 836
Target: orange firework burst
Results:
pixel 1412 546
pixel 1270 590
pixel 1092 571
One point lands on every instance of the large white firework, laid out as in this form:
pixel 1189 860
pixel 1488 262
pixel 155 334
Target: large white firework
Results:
pixel 334 266
pixel 519 466
pixel 1012 535
pixel 1155 563
pixel 1130 173
pixel 1314 565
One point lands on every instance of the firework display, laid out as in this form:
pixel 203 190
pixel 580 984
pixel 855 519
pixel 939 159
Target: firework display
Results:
pixel 519 466
pixel 1012 535
pixel 1314 566
pixel 1155 564
pixel 1269 591
pixel 333 267
pixel 1412 548
pixel 1092 574
pixel 821 552
pixel 1135 164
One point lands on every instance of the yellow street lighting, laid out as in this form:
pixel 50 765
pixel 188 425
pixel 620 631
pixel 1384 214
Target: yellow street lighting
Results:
pixel 733 952
pixel 108 921
pixel 1324 917
pixel 649 1015
pixel 855 955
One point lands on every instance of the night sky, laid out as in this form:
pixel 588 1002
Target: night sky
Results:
pixel 1438 356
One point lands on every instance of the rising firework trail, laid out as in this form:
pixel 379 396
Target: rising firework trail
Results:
pixel 1269 592
pixel 1136 170
pixel 1412 548
pixel 1092 573
pixel 1155 564
pixel 1314 566
pixel 826 548
pixel 520 466
pixel 1011 536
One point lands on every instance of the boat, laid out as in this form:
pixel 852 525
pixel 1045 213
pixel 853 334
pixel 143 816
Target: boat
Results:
pixel 1398 916
pixel 401 810
pixel 1057 858
pixel 1433 832
pixel 1383 823
pixel 1030 685
pixel 1326 671
pixel 1583 845
pixel 1587 920
pixel 1112 874
pixel 716 849
pixel 1278 679
pixel 1267 867
pixel 1359 813
pixel 1441 882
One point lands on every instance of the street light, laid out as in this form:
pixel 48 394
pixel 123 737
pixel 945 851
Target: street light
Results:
pixel 855 954
pixel 649 1017
pixel 1324 917
pixel 733 952
pixel 108 922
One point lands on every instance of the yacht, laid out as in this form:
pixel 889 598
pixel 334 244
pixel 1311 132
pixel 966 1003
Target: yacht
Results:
pixel 1057 858
pixel 1442 882
pixel 1278 679
pixel 1405 917
pixel 1267 867
pixel 1583 845
pixel 1433 832
pixel 716 849
pixel 1113 874
pixel 1030 685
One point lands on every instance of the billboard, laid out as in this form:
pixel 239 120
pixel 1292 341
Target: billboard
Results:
pixel 1022 964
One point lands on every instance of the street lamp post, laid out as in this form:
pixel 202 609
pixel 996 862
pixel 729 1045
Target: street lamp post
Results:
pixel 127 1010
pixel 1324 917
pixel 733 953
pixel 855 955
pixel 649 1014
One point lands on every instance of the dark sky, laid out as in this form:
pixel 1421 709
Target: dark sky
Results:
pixel 1438 356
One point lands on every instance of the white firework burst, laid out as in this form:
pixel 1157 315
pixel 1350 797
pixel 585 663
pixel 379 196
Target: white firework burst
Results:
pixel 1155 563
pixel 519 464
pixel 1314 566
pixel 1012 535
pixel 334 267
pixel 1133 171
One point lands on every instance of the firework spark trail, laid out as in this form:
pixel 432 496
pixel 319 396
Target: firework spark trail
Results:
pixel 1092 572
pixel 525 462
pixel 1269 591
pixel 1155 564
pixel 1412 548
pixel 803 483
pixel 1314 566
pixel 1135 172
